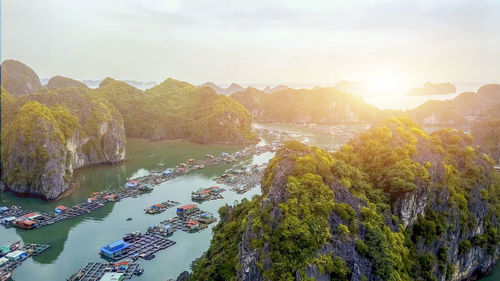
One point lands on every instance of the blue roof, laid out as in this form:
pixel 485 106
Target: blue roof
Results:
pixel 4 208
pixel 114 247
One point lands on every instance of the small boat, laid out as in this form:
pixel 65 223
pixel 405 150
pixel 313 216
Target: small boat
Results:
pixel 149 257
pixel 15 246
pixel 129 219
pixel 139 271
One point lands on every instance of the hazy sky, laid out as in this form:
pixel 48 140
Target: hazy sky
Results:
pixel 255 41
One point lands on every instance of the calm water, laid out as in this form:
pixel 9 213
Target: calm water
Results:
pixel 76 241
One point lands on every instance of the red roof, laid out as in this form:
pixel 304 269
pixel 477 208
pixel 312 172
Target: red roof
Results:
pixel 186 207
pixel 132 181
pixel 205 191
pixel 62 208
pixel 121 263
pixel 158 205
pixel 30 215
pixel 28 222
pixel 216 187
pixel 191 223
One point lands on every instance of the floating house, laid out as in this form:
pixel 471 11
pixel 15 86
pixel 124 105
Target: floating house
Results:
pixel 193 225
pixel 187 209
pixel 112 276
pixel 61 209
pixel 191 160
pixel 16 255
pixel 114 249
pixel 5 249
pixel 24 223
pixel 3 261
pixel 182 164
pixel 4 210
pixel 8 220
pixel 131 184
pixel 205 194
pixel 224 154
pixel 209 156
pixel 168 172
pixel 110 198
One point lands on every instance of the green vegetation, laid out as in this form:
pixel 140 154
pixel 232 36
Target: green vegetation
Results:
pixel 178 110
pixel 379 169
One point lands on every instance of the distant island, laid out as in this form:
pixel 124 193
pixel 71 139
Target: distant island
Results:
pixel 362 89
pixel 432 89
pixel 233 88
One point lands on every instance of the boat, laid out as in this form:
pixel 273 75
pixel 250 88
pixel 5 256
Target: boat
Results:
pixel 139 271
pixel 6 275
pixel 15 246
pixel 149 257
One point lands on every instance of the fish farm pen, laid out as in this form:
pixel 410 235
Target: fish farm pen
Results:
pixel 136 245
pixel 29 219
pixel 94 271
pixel 163 206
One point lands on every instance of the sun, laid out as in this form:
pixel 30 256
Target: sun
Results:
pixel 387 83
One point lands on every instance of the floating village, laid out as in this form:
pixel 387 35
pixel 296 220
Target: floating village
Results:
pixel 121 256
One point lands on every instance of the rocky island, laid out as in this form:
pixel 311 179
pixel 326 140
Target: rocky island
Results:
pixel 394 203
pixel 432 89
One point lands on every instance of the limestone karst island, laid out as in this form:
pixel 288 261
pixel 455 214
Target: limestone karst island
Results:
pixel 249 140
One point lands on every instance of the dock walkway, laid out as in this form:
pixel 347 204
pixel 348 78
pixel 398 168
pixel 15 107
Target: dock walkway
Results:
pixel 109 196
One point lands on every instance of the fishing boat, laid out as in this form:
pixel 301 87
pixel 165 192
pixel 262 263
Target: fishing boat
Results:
pixel 5 275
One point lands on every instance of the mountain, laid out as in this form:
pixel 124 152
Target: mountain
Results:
pixel 233 88
pixel 432 89
pixel 486 131
pixel 362 89
pixel 176 109
pixel 57 82
pixel 18 79
pixel 395 203
pixel 319 105
pixel 269 90
pixel 138 84
pixel 463 109
pixel 47 135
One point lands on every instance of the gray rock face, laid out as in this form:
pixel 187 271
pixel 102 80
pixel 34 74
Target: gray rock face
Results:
pixel 39 159
pixel 19 79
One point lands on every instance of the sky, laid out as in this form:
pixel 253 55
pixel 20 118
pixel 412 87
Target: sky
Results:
pixel 275 42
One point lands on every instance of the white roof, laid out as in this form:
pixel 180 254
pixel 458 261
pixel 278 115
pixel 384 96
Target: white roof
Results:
pixel 3 260
pixel 14 254
pixel 111 276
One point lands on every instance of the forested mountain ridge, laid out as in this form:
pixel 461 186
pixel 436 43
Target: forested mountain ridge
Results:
pixel 47 133
pixel 463 109
pixel 394 203
pixel 318 105
pixel 178 110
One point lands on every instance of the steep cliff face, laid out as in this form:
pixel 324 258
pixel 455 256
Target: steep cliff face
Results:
pixel 18 79
pixel 46 136
pixel 393 204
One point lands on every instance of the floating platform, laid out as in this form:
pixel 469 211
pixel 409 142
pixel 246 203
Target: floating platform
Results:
pixel 141 185
pixel 94 271
pixel 144 245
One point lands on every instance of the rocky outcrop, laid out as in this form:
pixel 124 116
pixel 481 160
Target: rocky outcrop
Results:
pixel 402 204
pixel 18 79
pixel 49 135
